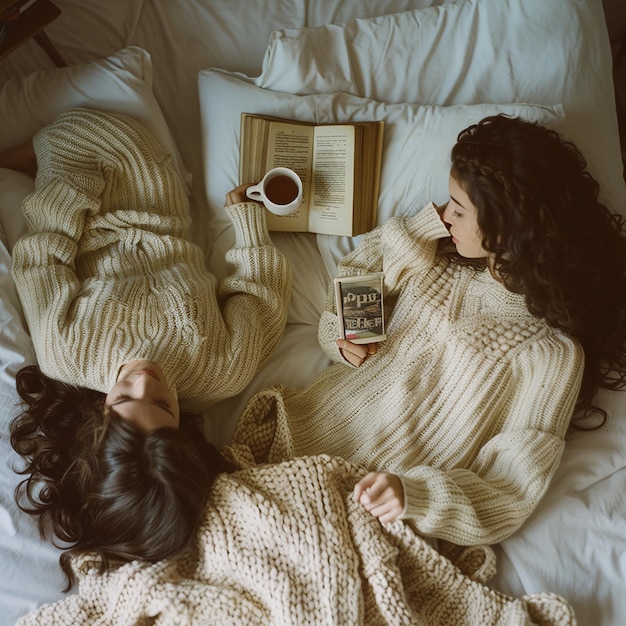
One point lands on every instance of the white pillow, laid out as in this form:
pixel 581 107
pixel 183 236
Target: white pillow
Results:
pixel 120 83
pixel 416 148
pixel 475 51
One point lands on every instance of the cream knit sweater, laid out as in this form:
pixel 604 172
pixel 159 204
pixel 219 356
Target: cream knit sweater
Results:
pixel 468 400
pixel 106 273
pixel 285 545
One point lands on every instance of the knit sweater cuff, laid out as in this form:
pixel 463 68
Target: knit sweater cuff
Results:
pixel 415 499
pixel 431 223
pixel 248 219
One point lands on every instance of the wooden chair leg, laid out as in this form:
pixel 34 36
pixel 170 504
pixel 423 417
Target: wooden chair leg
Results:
pixel 44 41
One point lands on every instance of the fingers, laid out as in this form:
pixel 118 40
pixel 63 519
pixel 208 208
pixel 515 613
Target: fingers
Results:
pixel 381 494
pixel 386 512
pixel 362 485
pixel 356 353
pixel 372 348
pixel 237 195
pixel 372 489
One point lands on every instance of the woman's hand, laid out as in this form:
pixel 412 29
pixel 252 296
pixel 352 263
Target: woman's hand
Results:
pixel 238 194
pixel 356 353
pixel 381 494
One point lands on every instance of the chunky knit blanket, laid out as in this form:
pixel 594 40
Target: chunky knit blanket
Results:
pixel 285 544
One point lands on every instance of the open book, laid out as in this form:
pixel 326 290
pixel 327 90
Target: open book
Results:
pixel 339 165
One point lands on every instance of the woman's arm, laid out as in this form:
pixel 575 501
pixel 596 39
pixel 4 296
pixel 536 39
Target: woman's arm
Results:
pixel 488 500
pixel 398 245
pixel 44 260
pixel 253 299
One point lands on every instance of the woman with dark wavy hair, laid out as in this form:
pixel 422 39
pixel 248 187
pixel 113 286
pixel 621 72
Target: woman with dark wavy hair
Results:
pixel 100 484
pixel 561 248
pixel 509 311
pixel 132 334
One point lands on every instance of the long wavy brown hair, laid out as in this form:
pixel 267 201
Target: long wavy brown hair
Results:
pixel 550 236
pixel 100 485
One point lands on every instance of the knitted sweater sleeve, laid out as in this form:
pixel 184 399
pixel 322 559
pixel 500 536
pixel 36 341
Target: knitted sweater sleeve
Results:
pixel 390 248
pixel 527 420
pixel 253 298
pixel 44 260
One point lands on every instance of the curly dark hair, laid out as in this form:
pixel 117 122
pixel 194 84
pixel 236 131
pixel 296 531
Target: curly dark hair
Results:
pixel 96 482
pixel 550 236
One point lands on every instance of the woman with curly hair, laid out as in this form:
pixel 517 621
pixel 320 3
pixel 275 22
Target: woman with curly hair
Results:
pixel 133 335
pixel 99 483
pixel 509 313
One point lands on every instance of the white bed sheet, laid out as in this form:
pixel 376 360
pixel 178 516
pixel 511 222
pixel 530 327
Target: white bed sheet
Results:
pixel 585 505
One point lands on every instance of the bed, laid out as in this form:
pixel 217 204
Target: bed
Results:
pixel 427 68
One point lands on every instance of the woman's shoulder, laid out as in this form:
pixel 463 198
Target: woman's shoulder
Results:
pixel 512 331
pixel 543 343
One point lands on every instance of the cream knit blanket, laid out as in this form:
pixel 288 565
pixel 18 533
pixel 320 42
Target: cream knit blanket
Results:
pixel 285 544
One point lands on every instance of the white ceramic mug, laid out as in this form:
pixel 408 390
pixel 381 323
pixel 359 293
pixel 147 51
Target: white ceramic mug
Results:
pixel 280 191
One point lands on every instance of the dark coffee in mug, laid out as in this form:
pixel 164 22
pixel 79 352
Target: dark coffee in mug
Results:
pixel 281 189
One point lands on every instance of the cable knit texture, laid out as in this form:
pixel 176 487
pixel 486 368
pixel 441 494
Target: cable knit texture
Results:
pixel 285 544
pixel 107 275
pixel 468 400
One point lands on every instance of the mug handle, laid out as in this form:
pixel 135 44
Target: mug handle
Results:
pixel 254 192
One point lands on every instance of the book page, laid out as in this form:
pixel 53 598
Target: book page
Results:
pixel 291 145
pixel 330 210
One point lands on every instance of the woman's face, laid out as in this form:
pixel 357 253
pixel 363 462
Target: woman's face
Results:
pixel 142 397
pixel 460 216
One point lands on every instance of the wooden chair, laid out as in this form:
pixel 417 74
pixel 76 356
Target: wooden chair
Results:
pixel 17 26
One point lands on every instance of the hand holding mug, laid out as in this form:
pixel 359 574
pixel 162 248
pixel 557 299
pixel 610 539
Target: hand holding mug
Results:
pixel 280 191
pixel 237 195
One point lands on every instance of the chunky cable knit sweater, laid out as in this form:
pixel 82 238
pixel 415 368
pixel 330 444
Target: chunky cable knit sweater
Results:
pixel 285 545
pixel 107 275
pixel 468 400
